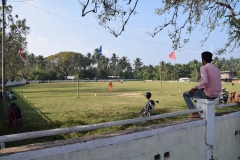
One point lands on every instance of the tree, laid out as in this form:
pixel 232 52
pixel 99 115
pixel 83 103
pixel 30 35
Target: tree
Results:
pixel 123 62
pixel 64 62
pixel 110 10
pixel 128 73
pixel 37 75
pixel 16 38
pixel 114 60
pixel 137 65
pixel 97 59
pixel 27 66
pixel 89 59
pixel 208 14
pixel 41 62
pixel 106 64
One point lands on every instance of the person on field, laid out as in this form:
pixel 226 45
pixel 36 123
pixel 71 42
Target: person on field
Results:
pixel 121 81
pixel 210 85
pixel 11 96
pixel 7 92
pixel 110 85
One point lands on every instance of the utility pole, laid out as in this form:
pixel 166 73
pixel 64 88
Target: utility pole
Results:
pixel 3 58
pixel 78 70
pixel 78 84
pixel 160 78
pixel 196 75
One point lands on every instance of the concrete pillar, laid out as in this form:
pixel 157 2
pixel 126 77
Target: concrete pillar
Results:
pixel 208 113
pixel 2 145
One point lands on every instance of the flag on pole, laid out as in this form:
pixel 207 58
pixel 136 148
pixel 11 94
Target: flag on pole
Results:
pixel 172 56
pixel 21 55
pixel 100 51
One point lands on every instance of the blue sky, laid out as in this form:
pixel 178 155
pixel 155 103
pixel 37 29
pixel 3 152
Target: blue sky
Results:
pixel 57 25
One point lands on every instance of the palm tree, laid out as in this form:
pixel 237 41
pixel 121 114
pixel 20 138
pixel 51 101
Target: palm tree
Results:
pixel 114 60
pixel 137 65
pixel 123 62
pixel 89 59
pixel 215 62
pixel 161 66
pixel 106 63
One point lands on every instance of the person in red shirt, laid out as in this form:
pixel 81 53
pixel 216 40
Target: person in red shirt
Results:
pixel 210 85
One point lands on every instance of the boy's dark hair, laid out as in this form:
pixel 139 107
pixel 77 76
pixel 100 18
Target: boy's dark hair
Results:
pixel 207 56
pixel 13 104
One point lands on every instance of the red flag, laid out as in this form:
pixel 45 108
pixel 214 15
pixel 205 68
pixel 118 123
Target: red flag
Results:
pixel 21 55
pixel 172 56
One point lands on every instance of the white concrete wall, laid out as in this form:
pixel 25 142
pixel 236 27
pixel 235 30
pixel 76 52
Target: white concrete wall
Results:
pixel 178 141
pixel 227 137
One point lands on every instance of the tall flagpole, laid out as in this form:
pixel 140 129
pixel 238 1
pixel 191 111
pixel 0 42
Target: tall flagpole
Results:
pixel 100 53
pixel 177 72
pixel 160 78
pixel 20 58
pixel 172 56
pixel 3 59
pixel 78 82
pixel 177 79
pixel 22 79
pixel 99 78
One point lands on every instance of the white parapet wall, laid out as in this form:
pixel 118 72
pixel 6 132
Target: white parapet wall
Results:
pixel 183 140
pixel 227 137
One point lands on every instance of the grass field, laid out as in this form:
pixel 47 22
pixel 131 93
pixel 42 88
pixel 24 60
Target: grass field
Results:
pixel 55 105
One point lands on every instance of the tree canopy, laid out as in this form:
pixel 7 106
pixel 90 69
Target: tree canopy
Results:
pixel 208 14
pixel 16 38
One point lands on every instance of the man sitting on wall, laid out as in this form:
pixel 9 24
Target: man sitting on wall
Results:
pixel 210 85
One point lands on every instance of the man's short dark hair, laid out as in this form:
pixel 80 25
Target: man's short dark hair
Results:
pixel 207 56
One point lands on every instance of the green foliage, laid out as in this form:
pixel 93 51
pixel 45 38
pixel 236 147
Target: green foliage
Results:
pixel 37 75
pixel 15 39
pixel 65 62
pixel 51 75
pixel 195 76
pixel 238 74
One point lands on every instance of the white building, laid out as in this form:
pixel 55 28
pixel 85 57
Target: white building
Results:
pixel 184 79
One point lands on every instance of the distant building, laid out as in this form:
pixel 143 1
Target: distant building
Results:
pixel 184 79
pixel 113 77
pixel 228 75
pixel 70 77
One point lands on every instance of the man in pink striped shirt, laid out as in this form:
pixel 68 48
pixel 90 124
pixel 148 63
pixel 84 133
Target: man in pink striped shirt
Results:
pixel 210 85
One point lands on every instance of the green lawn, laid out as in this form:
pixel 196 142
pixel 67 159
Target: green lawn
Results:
pixel 55 105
